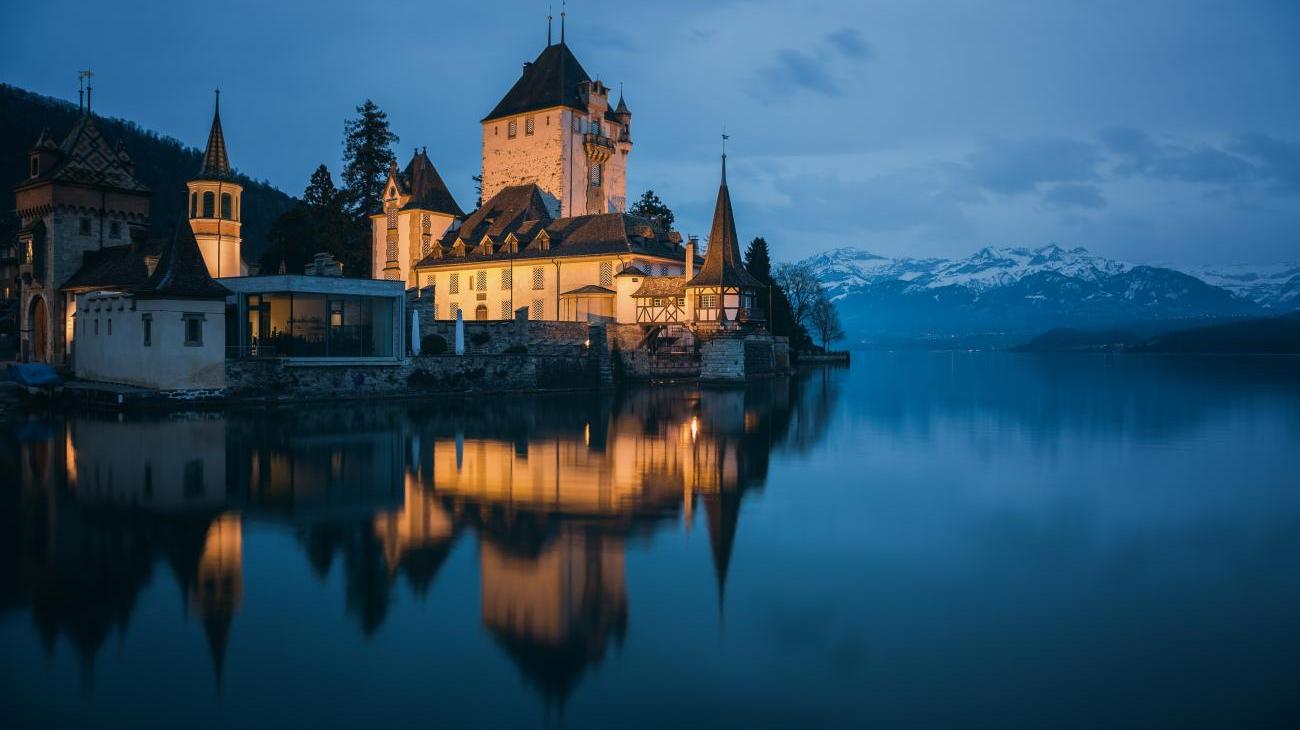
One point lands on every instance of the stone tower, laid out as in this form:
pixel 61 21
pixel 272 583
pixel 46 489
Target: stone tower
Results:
pixel 555 128
pixel 80 197
pixel 215 204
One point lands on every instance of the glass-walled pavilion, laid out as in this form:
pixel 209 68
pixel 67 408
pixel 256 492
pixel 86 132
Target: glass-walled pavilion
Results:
pixel 289 316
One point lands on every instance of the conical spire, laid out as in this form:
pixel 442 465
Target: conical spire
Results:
pixel 723 265
pixel 216 163
pixel 723 512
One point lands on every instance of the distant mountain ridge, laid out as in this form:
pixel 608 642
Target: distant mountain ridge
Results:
pixel 998 296
pixel 162 163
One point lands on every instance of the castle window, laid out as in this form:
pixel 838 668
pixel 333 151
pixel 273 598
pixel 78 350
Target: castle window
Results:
pixel 392 219
pixel 536 312
pixel 505 310
pixel 97 326
pixel 595 175
pixel 577 124
pixel 663 269
pixel 455 310
pixel 84 227
pixel 681 301
pixel 146 320
pixel 506 278
pixel 209 204
pixel 528 126
pixel 115 229
pixel 708 301
pixel 392 249
pixel 193 329
pixel 453 285
pixel 606 273
pixel 482 281
pixel 512 129
pixel 110 326
pixel 227 211
pixel 194 205
pixel 595 127
pixel 539 277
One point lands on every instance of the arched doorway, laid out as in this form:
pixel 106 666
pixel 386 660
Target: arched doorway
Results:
pixel 39 326
pixel 480 312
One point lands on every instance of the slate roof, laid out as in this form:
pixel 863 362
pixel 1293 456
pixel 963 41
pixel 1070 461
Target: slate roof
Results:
pixel 631 270
pixel 588 289
pixel 85 158
pixel 422 182
pixel 181 273
pixel 520 210
pixel 662 286
pixel 723 265
pixel 122 267
pixel 216 163
pixel 551 80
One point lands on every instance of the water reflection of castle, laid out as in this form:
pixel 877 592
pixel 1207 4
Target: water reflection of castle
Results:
pixel 551 489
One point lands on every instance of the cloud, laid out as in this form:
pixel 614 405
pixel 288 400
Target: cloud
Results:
pixel 813 69
pixel 1074 195
pixel 1278 161
pixel 1017 166
pixel 1136 153
pixel 850 43
pixel 796 70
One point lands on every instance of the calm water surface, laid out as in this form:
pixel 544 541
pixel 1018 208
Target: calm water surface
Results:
pixel 918 541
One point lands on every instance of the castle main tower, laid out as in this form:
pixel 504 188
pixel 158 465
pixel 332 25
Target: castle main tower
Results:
pixel 555 127
pixel 215 202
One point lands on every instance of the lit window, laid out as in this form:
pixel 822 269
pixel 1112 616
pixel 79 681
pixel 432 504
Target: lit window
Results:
pixel 392 218
pixel 708 301
pixel 681 301
pixel 606 273
pixel 147 321
pixel 227 210
pixel 657 302
pixel 512 129
pixel 193 330
pixel 539 277
pixel 454 284
pixel 505 279
pixel 536 311
pixel 595 127
pixel 528 126
pixel 392 249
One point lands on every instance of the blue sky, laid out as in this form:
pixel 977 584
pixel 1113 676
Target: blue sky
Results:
pixel 1154 130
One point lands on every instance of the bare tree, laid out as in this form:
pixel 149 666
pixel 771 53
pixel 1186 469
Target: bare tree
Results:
pixel 826 321
pixel 801 287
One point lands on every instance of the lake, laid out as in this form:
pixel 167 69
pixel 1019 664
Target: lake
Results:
pixel 919 540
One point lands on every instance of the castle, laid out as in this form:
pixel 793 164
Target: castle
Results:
pixel 551 241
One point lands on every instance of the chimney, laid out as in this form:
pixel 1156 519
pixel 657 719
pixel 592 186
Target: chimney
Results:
pixel 690 258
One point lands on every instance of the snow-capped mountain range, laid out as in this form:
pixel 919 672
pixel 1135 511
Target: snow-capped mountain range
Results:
pixel 1004 293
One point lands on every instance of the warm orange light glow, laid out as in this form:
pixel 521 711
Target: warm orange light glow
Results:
pixel 695 427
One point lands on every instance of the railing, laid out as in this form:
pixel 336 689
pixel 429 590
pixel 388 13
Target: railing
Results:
pixel 599 140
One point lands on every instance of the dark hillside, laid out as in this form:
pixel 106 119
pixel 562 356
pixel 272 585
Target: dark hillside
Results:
pixel 162 163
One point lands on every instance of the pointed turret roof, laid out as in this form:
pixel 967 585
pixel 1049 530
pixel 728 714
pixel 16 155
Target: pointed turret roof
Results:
pixel 426 188
pixel 85 158
pixel 216 163
pixel 181 272
pixel 723 511
pixel 723 265
pixel 622 105
pixel 550 80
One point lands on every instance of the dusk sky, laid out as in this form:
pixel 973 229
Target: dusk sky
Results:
pixel 1147 131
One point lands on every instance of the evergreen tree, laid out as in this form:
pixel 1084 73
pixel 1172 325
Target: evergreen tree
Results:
pixel 478 190
pixel 758 260
pixel 321 193
pixel 367 156
pixel 650 206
